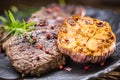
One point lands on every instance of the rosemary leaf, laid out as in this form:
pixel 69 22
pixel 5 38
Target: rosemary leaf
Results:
pixel 3 19
pixel 15 27
pixel 30 24
pixel 21 36
pixel 62 2
pixel 11 17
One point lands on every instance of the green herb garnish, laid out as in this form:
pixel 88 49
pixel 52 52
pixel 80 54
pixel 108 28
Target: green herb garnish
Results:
pixel 62 2
pixel 14 9
pixel 14 26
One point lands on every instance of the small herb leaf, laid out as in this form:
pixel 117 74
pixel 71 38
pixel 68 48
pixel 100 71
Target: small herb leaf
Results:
pixel 3 19
pixel 11 17
pixel 62 2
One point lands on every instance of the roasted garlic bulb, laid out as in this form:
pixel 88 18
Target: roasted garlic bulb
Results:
pixel 86 39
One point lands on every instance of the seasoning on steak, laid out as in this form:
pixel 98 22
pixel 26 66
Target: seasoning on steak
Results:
pixel 43 55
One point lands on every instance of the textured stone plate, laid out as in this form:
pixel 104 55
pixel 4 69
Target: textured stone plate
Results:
pixel 77 72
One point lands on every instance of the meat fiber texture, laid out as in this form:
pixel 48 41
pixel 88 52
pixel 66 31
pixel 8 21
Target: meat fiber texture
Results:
pixel 43 55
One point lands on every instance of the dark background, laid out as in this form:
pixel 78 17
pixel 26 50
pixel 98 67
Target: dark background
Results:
pixel 110 4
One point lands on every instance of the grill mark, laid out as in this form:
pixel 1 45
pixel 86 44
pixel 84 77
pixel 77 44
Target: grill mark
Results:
pixel 45 58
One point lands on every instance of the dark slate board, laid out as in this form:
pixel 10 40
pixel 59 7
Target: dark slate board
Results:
pixel 77 72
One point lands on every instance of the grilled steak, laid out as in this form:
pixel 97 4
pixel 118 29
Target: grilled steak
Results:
pixel 42 55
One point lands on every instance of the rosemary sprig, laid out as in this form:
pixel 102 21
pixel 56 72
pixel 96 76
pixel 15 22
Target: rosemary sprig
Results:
pixel 62 2
pixel 14 26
